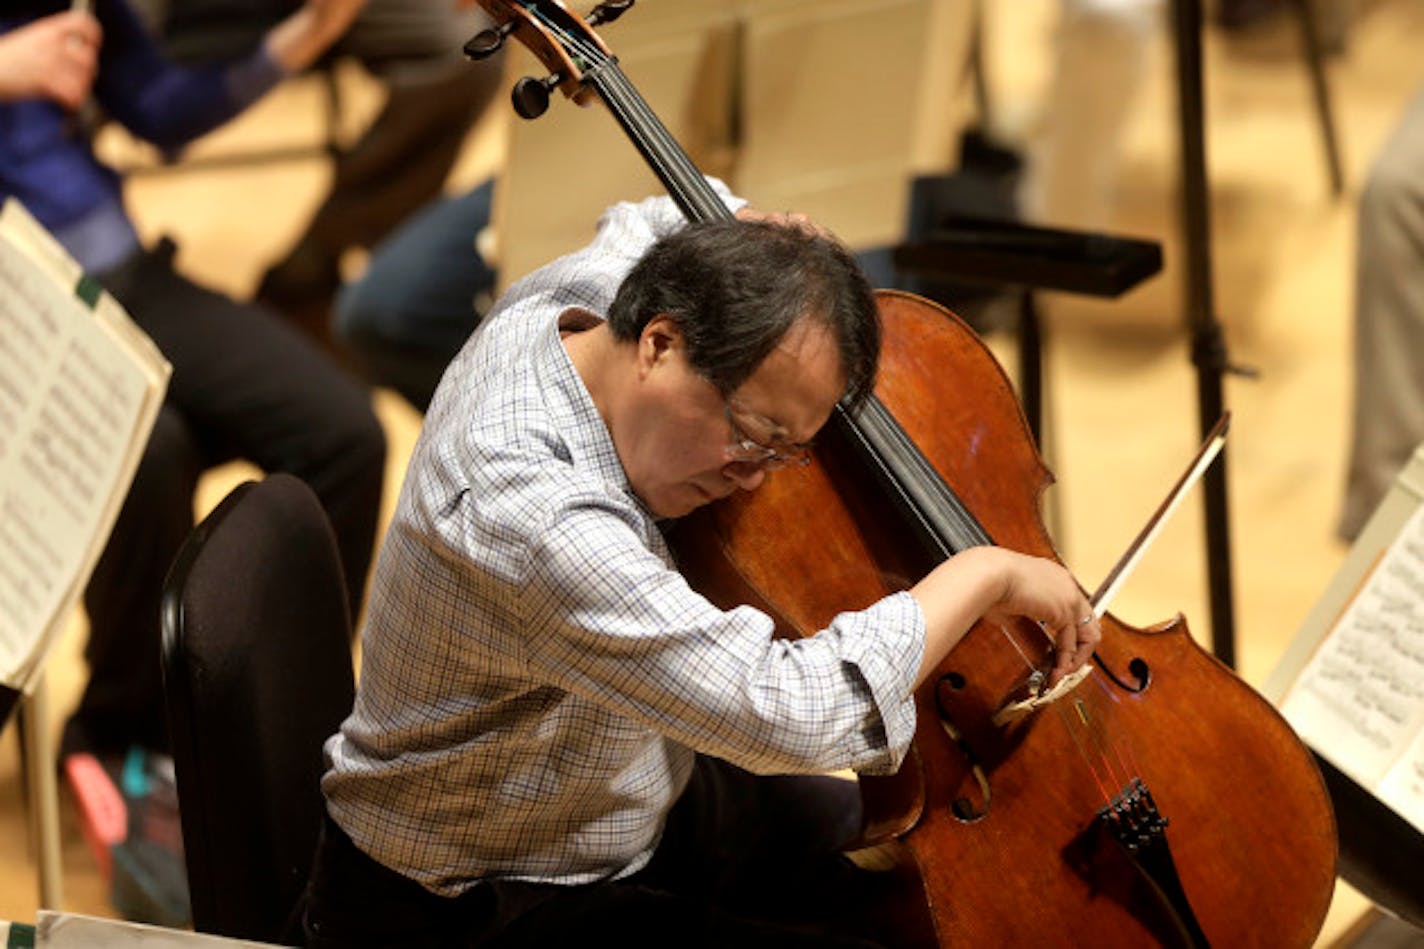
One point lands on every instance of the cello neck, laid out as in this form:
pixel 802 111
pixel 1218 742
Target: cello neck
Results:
pixel 685 184
pixel 929 509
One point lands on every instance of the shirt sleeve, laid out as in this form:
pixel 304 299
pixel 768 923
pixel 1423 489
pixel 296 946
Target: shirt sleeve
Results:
pixel 160 101
pixel 610 620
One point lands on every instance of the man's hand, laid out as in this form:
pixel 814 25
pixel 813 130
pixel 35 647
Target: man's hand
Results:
pixel 52 58
pixel 997 584
pixel 300 39
pixel 784 219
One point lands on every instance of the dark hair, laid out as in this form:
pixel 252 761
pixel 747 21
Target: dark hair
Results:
pixel 735 287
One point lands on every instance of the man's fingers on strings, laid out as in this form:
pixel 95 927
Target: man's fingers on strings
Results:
pixel 1087 634
pixel 1075 643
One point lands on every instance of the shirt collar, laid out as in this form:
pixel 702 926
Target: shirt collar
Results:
pixel 571 407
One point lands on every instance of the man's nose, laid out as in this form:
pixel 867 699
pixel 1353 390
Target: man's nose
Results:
pixel 747 475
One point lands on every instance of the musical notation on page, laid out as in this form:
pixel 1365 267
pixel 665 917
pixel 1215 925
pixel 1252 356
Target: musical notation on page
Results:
pixel 80 386
pixel 1360 699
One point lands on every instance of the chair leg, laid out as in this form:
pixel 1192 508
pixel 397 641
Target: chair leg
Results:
pixel 1315 61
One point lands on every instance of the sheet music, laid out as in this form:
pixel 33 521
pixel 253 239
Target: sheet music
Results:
pixel 1360 699
pixel 73 931
pixel 70 400
pixel 1403 785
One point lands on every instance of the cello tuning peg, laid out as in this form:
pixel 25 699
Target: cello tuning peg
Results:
pixel 486 43
pixel 608 11
pixel 531 96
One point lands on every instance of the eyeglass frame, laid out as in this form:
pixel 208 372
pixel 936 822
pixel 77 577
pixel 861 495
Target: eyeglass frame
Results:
pixel 745 450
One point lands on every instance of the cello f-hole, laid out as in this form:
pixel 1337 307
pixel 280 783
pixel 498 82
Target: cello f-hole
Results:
pixel 1141 674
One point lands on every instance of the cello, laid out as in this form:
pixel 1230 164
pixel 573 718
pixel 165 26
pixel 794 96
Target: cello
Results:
pixel 1159 801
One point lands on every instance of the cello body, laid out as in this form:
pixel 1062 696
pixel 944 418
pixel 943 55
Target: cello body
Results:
pixel 1249 822
pixel 1161 801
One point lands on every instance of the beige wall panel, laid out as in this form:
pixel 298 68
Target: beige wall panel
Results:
pixel 844 101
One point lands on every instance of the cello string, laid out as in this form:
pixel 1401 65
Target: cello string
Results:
pixel 1107 738
pixel 1122 748
pixel 1113 744
pixel 1078 732
pixel 683 175
pixel 923 487
pixel 669 161
pixel 570 40
pixel 1084 720
pixel 1014 641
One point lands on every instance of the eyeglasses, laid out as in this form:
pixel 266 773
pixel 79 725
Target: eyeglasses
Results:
pixel 744 449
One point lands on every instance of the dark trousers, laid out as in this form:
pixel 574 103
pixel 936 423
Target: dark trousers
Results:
pixel 244 385
pixel 745 861
pixel 423 293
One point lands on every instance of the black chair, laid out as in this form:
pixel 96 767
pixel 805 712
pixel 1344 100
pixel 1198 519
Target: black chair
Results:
pixel 257 670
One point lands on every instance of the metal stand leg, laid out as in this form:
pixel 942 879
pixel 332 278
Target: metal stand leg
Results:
pixel 1031 395
pixel 40 763
pixel 1208 340
pixel 1031 366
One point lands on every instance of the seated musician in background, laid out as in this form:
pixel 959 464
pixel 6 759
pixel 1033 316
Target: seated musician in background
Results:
pixel 432 94
pixel 554 736
pixel 1388 417
pixel 243 385
pixel 424 291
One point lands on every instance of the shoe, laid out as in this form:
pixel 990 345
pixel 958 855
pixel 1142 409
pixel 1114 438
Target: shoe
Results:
pixel 128 807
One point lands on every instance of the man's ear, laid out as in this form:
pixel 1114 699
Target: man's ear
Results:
pixel 660 341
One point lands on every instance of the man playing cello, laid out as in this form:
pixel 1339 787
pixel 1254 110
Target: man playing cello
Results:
pixel 554 735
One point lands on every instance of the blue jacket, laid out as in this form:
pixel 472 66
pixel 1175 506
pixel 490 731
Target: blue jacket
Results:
pixel 46 161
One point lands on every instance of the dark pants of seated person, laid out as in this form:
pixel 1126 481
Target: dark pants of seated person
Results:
pixel 244 385
pixel 745 861
pixel 424 291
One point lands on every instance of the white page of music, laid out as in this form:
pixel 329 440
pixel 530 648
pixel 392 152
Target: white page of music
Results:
pixel 69 400
pixel 1360 699
pixel 72 931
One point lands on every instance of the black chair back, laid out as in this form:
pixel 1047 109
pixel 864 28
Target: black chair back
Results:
pixel 257 672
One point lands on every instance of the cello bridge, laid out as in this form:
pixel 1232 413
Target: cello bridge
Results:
pixel 1037 697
